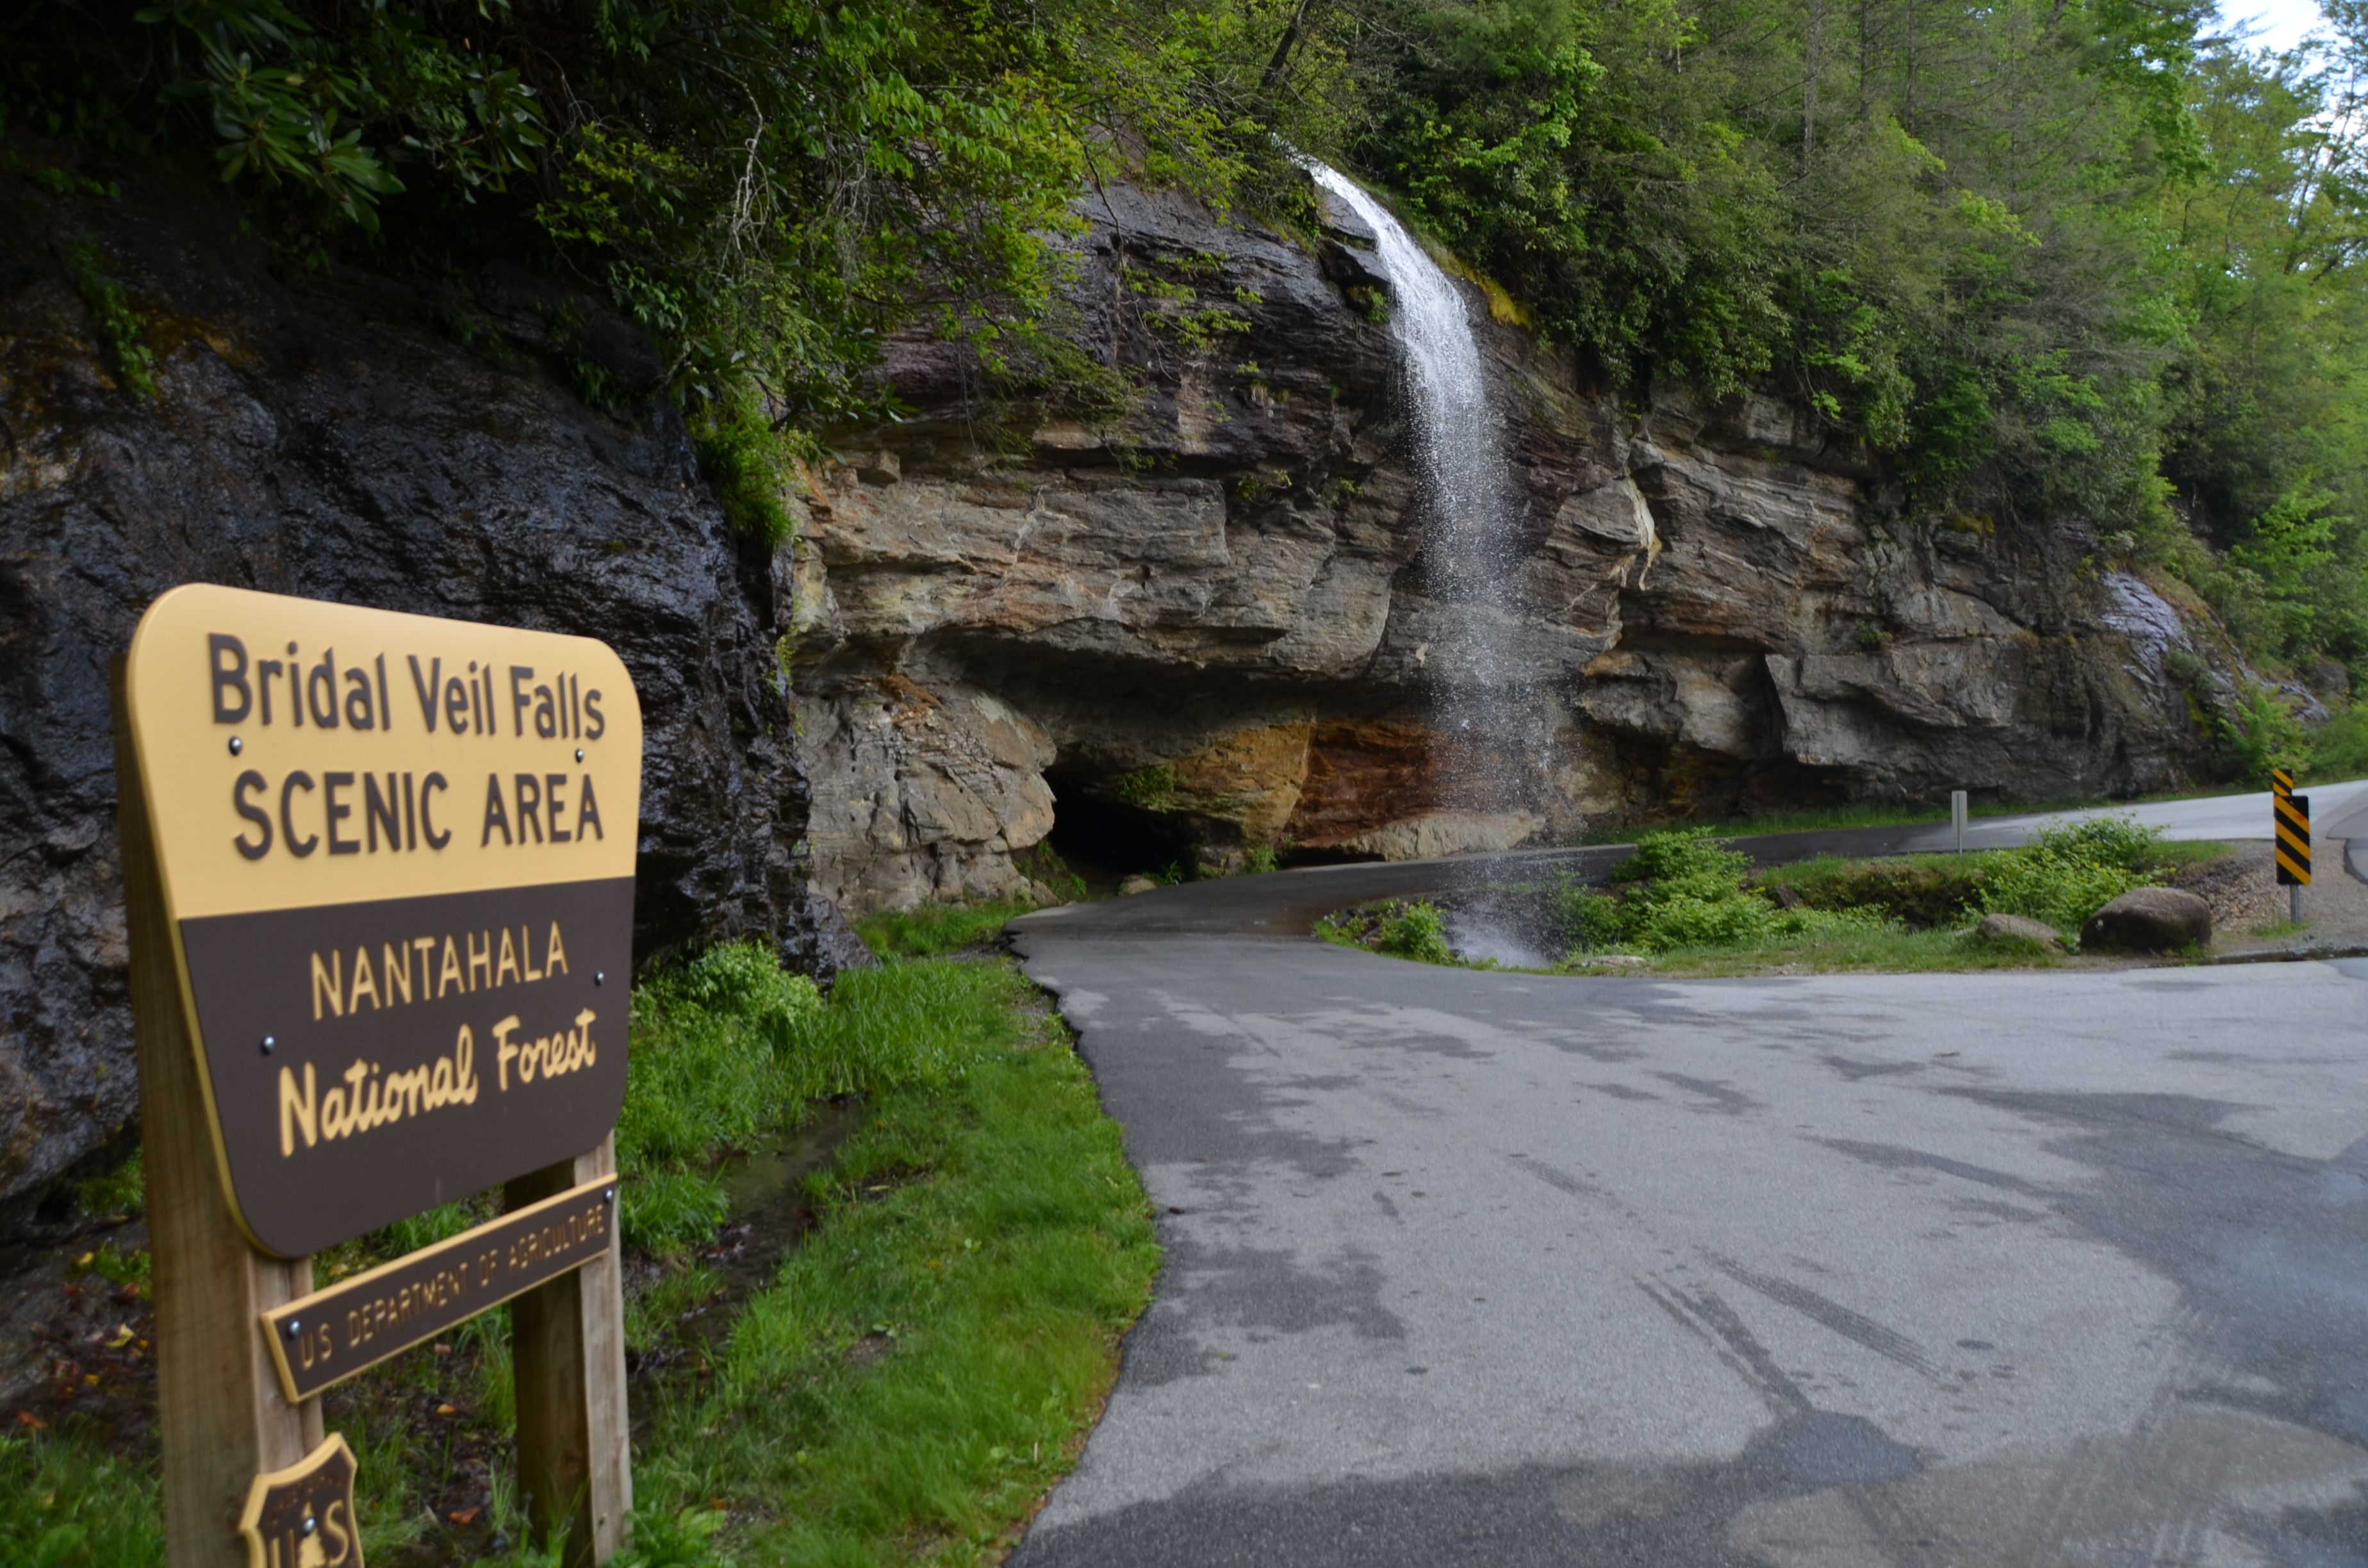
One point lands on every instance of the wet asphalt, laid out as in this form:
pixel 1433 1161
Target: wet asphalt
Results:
pixel 2064 1267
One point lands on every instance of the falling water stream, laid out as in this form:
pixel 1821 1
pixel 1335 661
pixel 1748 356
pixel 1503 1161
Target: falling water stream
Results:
pixel 1488 711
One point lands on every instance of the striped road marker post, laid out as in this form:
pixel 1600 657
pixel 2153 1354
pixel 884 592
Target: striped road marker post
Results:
pixel 2292 817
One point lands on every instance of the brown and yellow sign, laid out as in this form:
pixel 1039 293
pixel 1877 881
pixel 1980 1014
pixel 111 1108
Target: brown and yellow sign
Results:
pixel 398 855
pixel 329 1335
pixel 303 1516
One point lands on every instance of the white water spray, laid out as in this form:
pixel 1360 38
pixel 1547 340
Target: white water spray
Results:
pixel 1488 711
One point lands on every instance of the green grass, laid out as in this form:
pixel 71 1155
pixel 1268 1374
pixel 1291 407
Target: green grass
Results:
pixel 62 1504
pixel 1685 902
pixel 1926 890
pixel 923 1365
pixel 1890 951
pixel 932 1355
pixel 933 930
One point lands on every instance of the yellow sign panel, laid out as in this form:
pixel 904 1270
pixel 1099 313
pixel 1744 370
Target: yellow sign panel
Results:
pixel 397 858
pixel 303 753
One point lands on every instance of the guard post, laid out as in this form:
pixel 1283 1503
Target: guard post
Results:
pixel 378 885
pixel 2290 823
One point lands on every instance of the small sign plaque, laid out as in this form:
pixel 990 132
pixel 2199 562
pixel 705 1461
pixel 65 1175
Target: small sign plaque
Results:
pixel 303 1516
pixel 397 857
pixel 331 1335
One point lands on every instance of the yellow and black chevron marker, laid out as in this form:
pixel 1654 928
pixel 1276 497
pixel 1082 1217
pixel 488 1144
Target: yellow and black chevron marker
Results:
pixel 2293 815
pixel 2281 782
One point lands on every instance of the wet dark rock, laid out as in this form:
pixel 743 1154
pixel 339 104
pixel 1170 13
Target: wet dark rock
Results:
pixel 2149 920
pixel 349 438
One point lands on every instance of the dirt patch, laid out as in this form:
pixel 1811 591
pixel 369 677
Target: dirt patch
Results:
pixel 2241 888
pixel 80 1351
pixel 2249 909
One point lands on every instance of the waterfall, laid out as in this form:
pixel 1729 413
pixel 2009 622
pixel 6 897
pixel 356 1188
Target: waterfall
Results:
pixel 1488 711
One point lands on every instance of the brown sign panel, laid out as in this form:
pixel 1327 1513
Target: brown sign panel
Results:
pixel 329 1335
pixel 303 1516
pixel 397 857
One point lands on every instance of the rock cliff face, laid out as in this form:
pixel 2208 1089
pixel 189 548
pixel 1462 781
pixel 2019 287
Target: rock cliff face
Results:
pixel 1190 627
pixel 337 439
pixel 1199 630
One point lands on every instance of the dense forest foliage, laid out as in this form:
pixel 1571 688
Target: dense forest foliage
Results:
pixel 2071 263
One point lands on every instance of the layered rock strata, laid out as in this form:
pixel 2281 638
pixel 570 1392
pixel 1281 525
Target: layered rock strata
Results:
pixel 1201 619
pixel 337 439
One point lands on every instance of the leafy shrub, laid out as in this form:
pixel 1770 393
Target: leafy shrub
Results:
pixel 1685 918
pixel 741 457
pixel 2341 749
pixel 2117 840
pixel 2071 872
pixel 2262 733
pixel 1416 931
pixel 1258 859
pixel 1589 921
pixel 742 977
pixel 1681 852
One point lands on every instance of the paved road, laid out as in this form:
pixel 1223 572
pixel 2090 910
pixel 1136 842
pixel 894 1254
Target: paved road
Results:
pixel 2048 1268
pixel 2219 816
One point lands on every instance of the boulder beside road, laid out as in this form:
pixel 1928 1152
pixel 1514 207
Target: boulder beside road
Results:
pixel 2018 930
pixel 2148 920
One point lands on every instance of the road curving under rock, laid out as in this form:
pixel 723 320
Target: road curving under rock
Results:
pixel 1465 1268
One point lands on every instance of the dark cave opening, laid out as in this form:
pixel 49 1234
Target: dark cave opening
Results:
pixel 1106 841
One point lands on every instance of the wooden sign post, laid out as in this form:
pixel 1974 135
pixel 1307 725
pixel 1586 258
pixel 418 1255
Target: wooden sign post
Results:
pixel 377 874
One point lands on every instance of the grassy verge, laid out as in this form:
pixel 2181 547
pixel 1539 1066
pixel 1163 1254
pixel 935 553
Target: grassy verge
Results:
pixel 1881 949
pixel 1927 891
pixel 1685 902
pixel 930 1358
pixel 899 1388
pixel 933 930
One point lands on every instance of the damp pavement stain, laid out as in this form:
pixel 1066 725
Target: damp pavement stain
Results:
pixel 1901 1270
